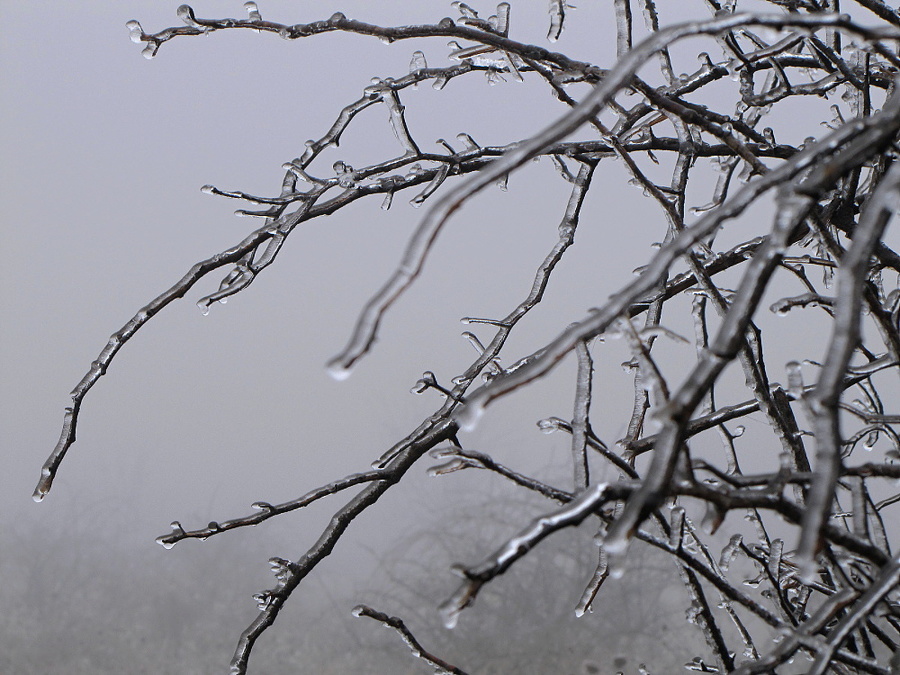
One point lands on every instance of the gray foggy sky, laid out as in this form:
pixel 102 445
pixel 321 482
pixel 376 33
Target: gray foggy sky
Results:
pixel 103 155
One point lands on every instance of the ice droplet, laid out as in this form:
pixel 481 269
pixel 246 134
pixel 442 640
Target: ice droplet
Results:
pixel 203 306
pixel 388 199
pixel 439 83
pixel 162 541
pixel 358 610
pixel 337 17
pixel 208 189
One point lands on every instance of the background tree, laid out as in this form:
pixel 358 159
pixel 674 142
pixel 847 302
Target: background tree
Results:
pixel 675 472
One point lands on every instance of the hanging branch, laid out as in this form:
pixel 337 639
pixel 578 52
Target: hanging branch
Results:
pixel 665 486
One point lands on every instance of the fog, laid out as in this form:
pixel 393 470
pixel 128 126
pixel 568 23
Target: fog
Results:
pixel 104 154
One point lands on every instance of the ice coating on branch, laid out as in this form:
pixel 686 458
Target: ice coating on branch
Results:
pixel 794 372
pixel 468 141
pixel 550 424
pixel 280 567
pixel 557 11
pixel 500 22
pixel 676 527
pixel 730 551
pixel 464 10
pixel 150 50
pixel 774 563
pixel 166 540
pixel 136 32
pixel 186 14
pixel 43 486
pixel 423 383
pixel 345 175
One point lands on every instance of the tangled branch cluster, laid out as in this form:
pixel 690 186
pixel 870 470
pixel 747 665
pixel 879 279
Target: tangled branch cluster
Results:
pixel 829 465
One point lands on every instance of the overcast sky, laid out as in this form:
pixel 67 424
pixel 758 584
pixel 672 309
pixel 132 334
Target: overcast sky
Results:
pixel 103 157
